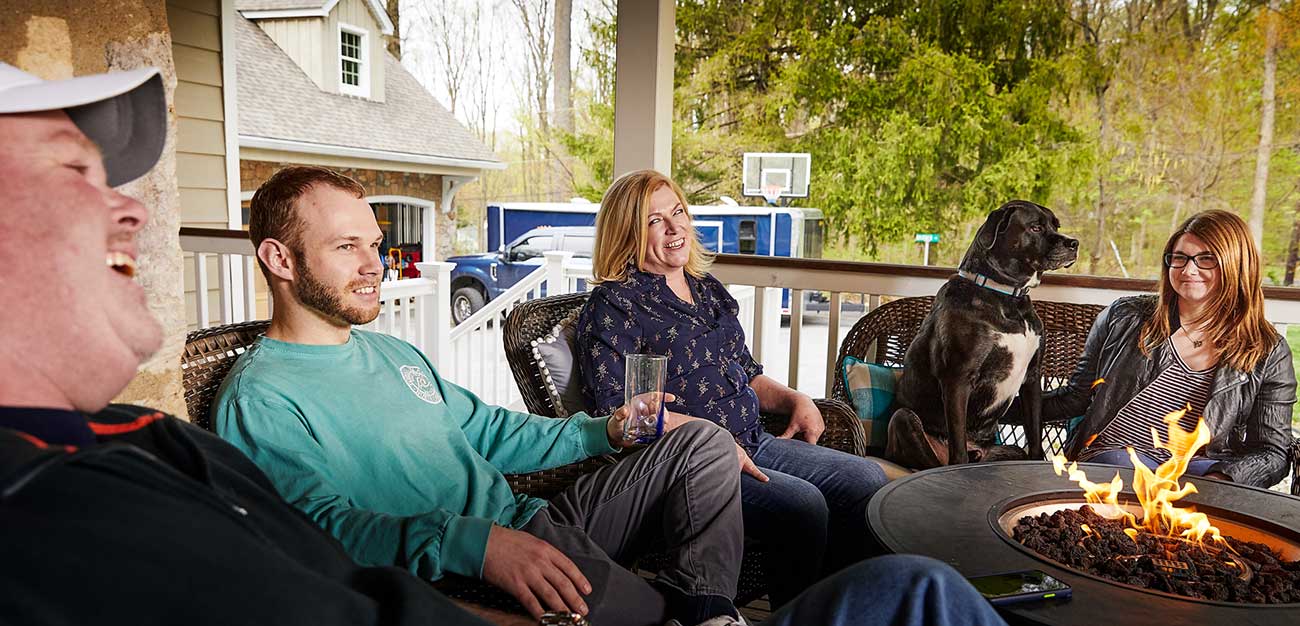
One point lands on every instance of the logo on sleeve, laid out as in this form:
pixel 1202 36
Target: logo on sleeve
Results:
pixel 420 384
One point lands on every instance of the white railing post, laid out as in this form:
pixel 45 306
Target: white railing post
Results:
pixel 201 289
pixel 437 335
pixel 760 324
pixel 556 284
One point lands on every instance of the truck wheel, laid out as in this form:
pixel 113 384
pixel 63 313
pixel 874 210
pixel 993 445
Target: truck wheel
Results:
pixel 464 302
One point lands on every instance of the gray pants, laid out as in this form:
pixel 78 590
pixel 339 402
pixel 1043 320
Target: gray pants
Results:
pixel 681 496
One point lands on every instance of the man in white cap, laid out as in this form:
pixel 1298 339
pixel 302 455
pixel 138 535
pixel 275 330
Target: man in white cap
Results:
pixel 114 514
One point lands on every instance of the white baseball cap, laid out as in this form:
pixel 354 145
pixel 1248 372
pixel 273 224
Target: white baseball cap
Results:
pixel 124 113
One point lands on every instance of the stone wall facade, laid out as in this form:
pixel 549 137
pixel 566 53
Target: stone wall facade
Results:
pixel 377 183
pixel 56 39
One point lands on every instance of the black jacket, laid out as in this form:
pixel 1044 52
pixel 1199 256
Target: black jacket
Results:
pixel 163 523
pixel 1249 413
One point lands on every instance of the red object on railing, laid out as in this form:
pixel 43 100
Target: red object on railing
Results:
pixel 409 259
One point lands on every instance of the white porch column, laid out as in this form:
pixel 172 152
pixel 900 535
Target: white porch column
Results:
pixel 437 333
pixel 643 85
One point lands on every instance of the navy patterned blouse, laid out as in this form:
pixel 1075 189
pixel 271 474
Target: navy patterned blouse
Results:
pixel 709 367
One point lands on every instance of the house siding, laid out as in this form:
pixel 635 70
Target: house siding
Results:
pixel 303 40
pixel 200 132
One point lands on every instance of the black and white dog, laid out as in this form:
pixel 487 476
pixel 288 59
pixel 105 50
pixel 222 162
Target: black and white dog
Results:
pixel 979 345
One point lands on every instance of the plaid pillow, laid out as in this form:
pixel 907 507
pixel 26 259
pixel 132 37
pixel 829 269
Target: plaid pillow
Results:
pixel 871 391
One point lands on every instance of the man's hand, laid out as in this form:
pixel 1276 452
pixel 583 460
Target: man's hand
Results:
pixel 614 425
pixel 747 464
pixel 534 572
pixel 806 419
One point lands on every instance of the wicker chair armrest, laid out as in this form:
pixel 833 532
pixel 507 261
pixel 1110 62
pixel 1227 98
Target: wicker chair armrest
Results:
pixel 546 484
pixel 843 430
pixel 1295 467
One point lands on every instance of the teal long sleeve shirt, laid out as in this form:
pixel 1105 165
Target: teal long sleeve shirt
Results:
pixel 403 467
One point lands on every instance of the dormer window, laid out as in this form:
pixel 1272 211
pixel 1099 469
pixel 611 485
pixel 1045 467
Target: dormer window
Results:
pixel 354 67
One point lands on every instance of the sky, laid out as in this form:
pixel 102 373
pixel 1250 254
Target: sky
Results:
pixel 428 24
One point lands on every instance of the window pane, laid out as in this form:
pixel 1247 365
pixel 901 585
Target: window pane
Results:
pixel 351 45
pixel 351 72
pixel 541 243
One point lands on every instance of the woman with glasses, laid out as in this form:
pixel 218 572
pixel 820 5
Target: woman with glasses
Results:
pixel 1202 345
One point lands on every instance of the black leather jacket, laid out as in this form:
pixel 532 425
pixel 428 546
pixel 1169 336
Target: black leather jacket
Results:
pixel 1249 413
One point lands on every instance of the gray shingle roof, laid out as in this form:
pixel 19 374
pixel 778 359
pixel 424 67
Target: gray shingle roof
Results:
pixel 277 100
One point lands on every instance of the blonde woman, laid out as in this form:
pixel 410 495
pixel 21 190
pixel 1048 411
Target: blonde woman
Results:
pixel 1202 344
pixel 654 294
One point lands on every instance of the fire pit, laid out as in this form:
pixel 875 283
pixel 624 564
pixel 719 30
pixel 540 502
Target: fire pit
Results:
pixel 967 516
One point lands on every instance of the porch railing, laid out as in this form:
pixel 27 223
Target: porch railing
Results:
pixel 472 353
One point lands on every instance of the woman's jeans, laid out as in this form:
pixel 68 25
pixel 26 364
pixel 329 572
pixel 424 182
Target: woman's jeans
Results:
pixel 1198 466
pixel 811 517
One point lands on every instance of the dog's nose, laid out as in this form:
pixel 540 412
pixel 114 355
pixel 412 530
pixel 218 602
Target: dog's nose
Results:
pixel 1072 244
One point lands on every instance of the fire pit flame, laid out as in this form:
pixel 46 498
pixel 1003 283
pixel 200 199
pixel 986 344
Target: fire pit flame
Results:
pixel 1156 491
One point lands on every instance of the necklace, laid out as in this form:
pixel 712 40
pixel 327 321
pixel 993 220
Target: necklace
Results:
pixel 1195 343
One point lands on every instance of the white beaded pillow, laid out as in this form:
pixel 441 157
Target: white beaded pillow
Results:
pixel 553 353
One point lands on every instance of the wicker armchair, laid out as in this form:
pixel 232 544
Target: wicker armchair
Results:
pixel 538 318
pixel 208 357
pixel 884 334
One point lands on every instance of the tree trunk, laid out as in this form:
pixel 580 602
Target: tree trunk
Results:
pixel 1293 251
pixel 1268 104
pixel 560 64
pixel 395 41
pixel 562 98
pixel 1097 249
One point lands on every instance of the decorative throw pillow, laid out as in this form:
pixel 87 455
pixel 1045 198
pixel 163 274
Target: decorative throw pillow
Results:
pixel 871 391
pixel 554 355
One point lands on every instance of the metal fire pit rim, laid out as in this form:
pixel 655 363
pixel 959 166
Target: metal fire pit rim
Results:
pixel 902 518
pixel 1001 507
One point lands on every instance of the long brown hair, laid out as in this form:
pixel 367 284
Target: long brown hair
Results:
pixel 1235 320
pixel 621 227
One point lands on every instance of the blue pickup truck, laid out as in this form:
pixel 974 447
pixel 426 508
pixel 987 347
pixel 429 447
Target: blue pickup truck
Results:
pixel 478 278
pixel 520 232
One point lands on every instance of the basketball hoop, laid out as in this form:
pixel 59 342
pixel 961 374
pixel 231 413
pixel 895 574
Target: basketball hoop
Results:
pixel 772 193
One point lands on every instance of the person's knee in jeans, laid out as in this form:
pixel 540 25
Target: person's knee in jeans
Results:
pixel 1112 457
pixel 789 522
pixel 1120 458
pixel 906 590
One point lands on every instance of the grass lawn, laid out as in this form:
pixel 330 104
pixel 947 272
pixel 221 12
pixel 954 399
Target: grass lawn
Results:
pixel 1293 338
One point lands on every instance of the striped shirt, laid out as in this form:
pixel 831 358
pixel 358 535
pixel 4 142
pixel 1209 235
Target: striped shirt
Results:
pixel 1177 387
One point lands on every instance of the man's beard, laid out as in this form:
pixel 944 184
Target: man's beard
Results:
pixel 328 301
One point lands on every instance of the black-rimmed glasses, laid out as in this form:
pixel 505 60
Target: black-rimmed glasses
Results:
pixel 1204 260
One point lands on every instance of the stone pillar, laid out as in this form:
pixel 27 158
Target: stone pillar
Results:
pixel 60 39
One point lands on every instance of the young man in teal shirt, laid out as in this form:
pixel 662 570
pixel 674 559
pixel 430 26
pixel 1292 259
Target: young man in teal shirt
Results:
pixel 358 430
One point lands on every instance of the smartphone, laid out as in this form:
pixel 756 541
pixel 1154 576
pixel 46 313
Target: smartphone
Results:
pixel 1022 586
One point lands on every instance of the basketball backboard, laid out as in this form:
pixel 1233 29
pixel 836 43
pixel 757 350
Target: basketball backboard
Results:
pixel 765 172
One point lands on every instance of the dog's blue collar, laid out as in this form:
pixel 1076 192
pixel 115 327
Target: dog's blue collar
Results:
pixel 988 283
